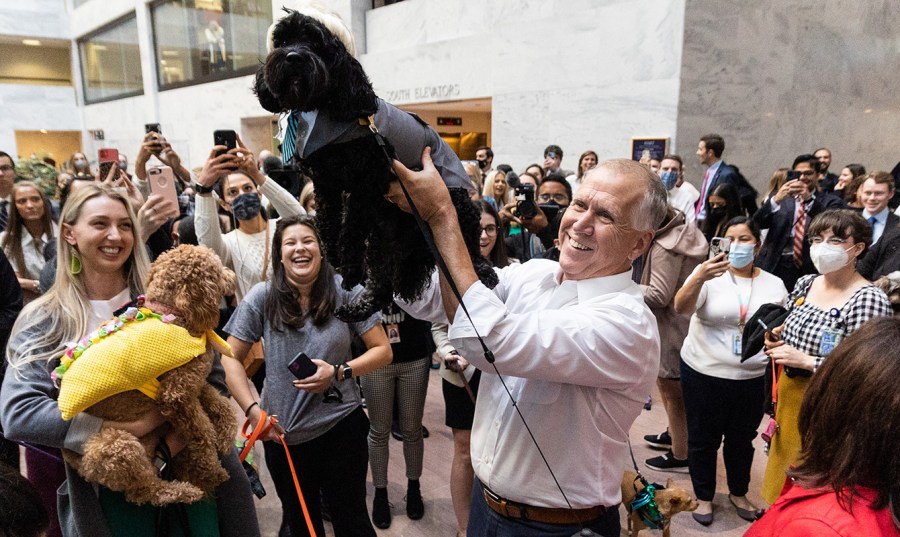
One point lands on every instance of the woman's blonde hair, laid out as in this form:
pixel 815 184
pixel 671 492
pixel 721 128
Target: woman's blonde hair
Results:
pixel 307 193
pixel 61 314
pixel 488 189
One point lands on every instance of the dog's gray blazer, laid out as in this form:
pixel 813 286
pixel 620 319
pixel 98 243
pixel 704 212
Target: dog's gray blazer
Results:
pixel 407 132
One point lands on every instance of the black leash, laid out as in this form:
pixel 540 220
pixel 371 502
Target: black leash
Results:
pixel 488 355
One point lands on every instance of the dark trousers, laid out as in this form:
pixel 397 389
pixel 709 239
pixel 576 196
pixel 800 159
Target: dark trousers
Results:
pixel 335 463
pixel 720 409
pixel 485 522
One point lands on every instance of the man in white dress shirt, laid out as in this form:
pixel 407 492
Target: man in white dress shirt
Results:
pixel 575 343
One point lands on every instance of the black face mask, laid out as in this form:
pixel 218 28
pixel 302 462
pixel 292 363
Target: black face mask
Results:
pixel 482 164
pixel 246 206
pixel 718 212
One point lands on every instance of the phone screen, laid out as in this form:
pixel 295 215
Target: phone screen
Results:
pixel 107 157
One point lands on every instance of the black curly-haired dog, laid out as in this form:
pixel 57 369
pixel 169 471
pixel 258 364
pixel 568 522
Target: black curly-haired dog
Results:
pixel 312 76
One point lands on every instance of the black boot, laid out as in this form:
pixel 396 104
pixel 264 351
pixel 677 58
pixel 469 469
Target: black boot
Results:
pixel 381 509
pixel 415 509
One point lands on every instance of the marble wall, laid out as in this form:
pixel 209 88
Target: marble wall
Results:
pixel 582 74
pixel 27 107
pixel 777 78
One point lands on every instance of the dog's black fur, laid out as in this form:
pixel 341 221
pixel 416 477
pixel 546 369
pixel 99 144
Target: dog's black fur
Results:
pixel 362 233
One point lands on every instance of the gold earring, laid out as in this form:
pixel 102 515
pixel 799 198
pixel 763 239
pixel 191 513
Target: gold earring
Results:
pixel 75 263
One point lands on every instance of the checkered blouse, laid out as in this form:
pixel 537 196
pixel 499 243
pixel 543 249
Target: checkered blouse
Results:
pixel 804 326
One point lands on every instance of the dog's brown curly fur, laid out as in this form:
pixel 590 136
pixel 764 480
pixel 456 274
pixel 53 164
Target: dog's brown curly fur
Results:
pixel 188 282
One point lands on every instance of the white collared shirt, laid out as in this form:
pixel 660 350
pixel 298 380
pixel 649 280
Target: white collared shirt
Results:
pixel 684 200
pixel 579 358
pixel 880 223
pixel 32 252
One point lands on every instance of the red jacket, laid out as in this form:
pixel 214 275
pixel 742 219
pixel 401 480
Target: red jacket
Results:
pixel 800 512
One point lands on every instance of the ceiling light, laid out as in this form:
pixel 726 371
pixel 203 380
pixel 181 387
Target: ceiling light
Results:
pixel 43 131
pixel 31 42
pixel 867 111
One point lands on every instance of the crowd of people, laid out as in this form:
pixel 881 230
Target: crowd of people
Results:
pixel 613 276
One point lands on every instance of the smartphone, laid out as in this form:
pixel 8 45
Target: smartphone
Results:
pixel 107 157
pixel 302 366
pixel 226 138
pixel 162 182
pixel 793 175
pixel 719 245
pixel 152 127
pixel 769 334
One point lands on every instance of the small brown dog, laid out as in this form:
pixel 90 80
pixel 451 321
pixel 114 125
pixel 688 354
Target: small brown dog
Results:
pixel 670 500
pixel 188 283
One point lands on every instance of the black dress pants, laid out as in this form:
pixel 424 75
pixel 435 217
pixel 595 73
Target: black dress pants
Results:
pixel 720 409
pixel 335 463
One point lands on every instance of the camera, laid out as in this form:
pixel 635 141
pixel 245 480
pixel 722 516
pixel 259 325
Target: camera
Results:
pixel 525 206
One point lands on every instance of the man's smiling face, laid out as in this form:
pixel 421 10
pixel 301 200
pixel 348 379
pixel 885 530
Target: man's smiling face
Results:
pixel 596 234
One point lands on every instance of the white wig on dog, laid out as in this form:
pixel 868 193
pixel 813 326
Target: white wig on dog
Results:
pixel 331 20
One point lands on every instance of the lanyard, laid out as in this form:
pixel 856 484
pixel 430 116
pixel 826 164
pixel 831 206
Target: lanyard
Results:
pixel 744 304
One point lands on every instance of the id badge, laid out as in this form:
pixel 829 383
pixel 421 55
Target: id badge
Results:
pixel 830 340
pixel 737 346
pixel 393 332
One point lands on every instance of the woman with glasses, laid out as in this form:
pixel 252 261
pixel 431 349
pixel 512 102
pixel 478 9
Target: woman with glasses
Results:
pixel 320 416
pixel 460 384
pixel 824 308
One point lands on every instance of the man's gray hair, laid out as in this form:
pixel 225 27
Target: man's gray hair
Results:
pixel 650 213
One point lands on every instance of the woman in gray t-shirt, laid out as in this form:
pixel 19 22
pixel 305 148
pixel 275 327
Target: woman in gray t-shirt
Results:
pixel 321 415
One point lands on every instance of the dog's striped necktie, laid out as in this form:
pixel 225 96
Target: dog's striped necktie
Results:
pixel 290 137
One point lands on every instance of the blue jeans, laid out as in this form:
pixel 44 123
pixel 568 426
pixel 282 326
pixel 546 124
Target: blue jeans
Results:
pixel 485 522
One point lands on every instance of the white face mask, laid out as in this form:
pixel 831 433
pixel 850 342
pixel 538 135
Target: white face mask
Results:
pixel 828 258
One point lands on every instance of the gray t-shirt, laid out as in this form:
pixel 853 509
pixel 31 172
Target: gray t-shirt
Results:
pixel 304 416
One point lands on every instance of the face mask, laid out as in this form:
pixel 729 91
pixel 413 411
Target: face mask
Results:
pixel 828 258
pixel 717 212
pixel 482 164
pixel 741 255
pixel 669 178
pixel 80 163
pixel 246 206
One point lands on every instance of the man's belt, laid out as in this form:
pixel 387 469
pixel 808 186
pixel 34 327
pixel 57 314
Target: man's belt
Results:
pixel 546 515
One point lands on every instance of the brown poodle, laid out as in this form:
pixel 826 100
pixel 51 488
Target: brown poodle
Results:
pixel 670 500
pixel 187 282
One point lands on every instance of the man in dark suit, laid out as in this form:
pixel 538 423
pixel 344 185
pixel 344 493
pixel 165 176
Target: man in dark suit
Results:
pixel 709 151
pixel 827 180
pixel 787 215
pixel 884 255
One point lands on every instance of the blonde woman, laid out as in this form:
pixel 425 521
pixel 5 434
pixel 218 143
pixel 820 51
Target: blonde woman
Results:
pixel 496 192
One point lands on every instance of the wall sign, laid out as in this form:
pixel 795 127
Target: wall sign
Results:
pixel 449 121
pixel 438 92
pixel 654 148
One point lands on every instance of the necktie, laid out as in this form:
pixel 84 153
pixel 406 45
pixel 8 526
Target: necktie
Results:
pixel 799 233
pixel 873 220
pixel 290 135
pixel 702 199
pixel 4 214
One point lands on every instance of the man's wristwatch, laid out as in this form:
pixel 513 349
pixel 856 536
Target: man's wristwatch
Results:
pixel 346 371
pixel 203 189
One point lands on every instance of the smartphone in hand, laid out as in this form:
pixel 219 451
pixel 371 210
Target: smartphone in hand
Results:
pixel 719 245
pixel 152 127
pixel 107 157
pixel 162 182
pixel 226 138
pixel 302 366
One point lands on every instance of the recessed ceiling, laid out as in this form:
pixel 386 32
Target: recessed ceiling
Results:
pixel 45 41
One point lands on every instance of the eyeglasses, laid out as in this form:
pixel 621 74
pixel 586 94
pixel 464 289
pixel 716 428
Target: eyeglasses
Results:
pixel 558 198
pixel 6 168
pixel 834 241
pixel 490 229
pixel 333 395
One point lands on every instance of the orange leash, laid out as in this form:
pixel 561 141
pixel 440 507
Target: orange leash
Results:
pixel 265 424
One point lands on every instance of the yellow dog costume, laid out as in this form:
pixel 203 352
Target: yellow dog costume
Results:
pixel 151 362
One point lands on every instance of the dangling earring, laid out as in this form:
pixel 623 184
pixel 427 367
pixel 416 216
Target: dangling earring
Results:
pixel 75 263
